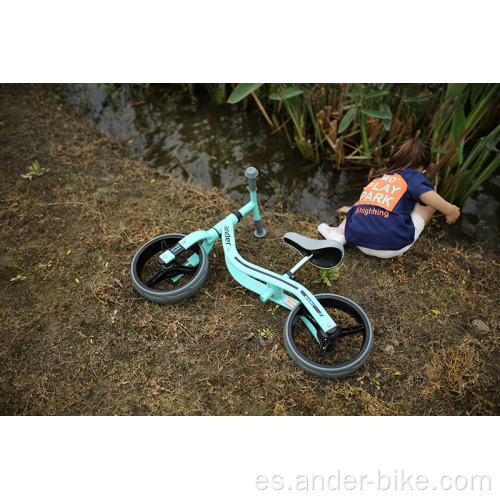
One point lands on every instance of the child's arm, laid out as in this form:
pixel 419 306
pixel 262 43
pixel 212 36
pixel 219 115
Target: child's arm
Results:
pixel 432 199
pixel 345 209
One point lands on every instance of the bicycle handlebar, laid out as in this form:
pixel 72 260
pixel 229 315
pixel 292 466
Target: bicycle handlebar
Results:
pixel 251 173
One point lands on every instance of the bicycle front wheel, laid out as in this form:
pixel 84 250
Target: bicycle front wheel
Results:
pixel 341 354
pixel 173 282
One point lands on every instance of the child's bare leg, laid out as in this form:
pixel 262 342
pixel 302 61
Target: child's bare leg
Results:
pixel 425 212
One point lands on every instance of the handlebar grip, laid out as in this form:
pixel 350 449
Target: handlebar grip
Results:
pixel 251 173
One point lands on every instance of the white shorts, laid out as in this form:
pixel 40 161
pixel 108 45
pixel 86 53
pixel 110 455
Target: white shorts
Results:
pixel 419 224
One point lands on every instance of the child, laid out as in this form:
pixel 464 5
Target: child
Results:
pixel 394 208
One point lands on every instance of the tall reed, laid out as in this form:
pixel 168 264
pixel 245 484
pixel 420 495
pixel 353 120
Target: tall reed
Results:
pixel 356 125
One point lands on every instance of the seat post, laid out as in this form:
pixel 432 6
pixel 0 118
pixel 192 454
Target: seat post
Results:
pixel 324 254
pixel 297 266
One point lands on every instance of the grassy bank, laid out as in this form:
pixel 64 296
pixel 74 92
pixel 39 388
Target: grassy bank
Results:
pixel 77 339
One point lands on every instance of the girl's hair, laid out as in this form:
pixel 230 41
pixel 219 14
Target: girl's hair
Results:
pixel 411 153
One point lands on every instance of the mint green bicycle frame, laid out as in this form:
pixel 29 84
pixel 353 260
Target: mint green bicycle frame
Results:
pixel 267 284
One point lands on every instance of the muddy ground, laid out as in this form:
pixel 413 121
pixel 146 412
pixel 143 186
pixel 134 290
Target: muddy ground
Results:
pixel 77 339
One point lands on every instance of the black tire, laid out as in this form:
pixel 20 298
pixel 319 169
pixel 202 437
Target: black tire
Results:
pixel 154 280
pixel 345 353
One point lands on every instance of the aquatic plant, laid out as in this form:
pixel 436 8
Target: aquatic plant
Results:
pixel 356 125
pixel 217 92
pixel 459 183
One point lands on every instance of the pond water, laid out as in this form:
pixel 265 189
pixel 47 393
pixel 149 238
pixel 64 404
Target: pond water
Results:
pixel 210 144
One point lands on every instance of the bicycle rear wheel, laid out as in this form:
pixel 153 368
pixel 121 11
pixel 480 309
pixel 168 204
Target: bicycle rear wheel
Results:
pixel 173 282
pixel 337 355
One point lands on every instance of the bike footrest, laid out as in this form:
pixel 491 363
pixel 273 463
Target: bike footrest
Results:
pixel 325 253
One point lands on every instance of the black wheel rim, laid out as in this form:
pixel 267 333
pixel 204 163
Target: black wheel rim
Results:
pixel 158 276
pixel 336 350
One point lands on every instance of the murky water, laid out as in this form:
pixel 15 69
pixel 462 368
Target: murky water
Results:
pixel 214 144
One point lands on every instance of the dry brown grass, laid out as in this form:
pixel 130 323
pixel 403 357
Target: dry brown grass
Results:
pixel 95 347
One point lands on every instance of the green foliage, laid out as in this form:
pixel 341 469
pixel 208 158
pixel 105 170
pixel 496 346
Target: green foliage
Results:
pixel 328 275
pixel 112 317
pixel 380 113
pixel 217 92
pixel 243 90
pixel 458 128
pixel 481 162
pixel 35 171
pixel 454 89
pixel 286 94
pixel 360 123
pixel 19 277
pixel 265 333
pixel 347 119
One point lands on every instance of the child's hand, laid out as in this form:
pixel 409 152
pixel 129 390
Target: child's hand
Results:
pixel 343 210
pixel 434 200
pixel 453 215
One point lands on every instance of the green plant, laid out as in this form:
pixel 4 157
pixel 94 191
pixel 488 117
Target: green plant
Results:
pixel 217 92
pixel 314 112
pixel 376 382
pixel 265 333
pixel 357 124
pixel 242 91
pixel 19 277
pixel 35 170
pixel 328 275
pixel 112 317
pixel 481 162
pixel 456 173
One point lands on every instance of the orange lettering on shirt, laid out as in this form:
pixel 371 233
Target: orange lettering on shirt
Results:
pixel 384 192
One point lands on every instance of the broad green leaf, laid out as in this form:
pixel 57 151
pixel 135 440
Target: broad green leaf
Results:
pixel 458 128
pixel 477 88
pixel 454 89
pixel 418 98
pixel 386 121
pixel 306 87
pixel 458 125
pixel 386 109
pixel 286 94
pixel 243 90
pixel 374 95
pixel 380 113
pixel 485 101
pixel 347 119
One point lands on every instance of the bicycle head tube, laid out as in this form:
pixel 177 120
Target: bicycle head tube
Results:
pixel 251 173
